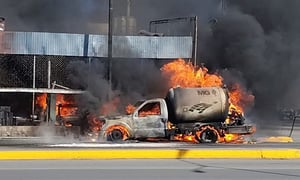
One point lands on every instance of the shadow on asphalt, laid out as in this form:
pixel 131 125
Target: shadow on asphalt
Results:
pixel 200 168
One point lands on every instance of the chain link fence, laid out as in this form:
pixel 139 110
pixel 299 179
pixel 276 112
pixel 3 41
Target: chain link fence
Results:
pixel 17 71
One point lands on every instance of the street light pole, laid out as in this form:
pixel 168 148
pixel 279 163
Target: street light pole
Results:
pixel 109 49
pixel 195 39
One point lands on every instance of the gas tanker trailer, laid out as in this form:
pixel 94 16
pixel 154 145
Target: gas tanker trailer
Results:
pixel 202 113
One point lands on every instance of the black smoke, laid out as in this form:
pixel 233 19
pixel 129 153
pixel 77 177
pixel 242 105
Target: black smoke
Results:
pixel 132 80
pixel 254 42
pixel 54 15
pixel 260 40
pixel 76 16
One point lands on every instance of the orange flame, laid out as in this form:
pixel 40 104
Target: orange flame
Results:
pixel 185 138
pixel 186 75
pixel 67 111
pixel 41 101
pixel 153 111
pixel 66 103
pixel 130 108
pixel 227 138
pixel 95 124
pixel 232 138
pixel 239 98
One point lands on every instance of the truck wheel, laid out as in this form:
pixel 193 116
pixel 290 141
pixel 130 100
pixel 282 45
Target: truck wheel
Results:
pixel 115 135
pixel 207 135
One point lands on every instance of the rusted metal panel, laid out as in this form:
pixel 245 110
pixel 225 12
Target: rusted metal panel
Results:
pixel 63 44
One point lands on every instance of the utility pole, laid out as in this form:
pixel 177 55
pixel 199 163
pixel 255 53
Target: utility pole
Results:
pixel 195 40
pixel 109 49
pixel 33 87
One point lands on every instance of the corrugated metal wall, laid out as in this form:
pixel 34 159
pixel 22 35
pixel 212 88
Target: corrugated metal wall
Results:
pixel 62 44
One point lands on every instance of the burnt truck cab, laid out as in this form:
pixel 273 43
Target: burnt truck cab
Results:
pixel 149 120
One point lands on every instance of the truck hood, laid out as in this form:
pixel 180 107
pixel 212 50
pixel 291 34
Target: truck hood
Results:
pixel 121 119
pixel 111 118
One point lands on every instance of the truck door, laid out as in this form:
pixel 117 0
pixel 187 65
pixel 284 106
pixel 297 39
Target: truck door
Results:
pixel 149 120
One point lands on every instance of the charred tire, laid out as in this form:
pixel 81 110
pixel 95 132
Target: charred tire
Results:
pixel 208 136
pixel 115 135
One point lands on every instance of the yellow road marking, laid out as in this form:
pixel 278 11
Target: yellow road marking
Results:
pixel 152 154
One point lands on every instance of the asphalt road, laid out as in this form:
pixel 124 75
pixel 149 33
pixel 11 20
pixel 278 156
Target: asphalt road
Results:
pixel 175 169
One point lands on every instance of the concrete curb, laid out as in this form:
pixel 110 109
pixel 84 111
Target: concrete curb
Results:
pixel 152 154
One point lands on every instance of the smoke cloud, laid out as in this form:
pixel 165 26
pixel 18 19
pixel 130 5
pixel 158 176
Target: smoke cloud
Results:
pixel 260 41
pixel 76 16
pixel 54 15
pixel 132 80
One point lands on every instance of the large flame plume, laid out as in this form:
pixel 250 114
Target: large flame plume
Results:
pixel 185 74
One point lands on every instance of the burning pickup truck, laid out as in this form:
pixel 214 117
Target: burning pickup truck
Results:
pixel 203 114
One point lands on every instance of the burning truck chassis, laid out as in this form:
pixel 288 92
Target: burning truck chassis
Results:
pixel 198 115
pixel 200 110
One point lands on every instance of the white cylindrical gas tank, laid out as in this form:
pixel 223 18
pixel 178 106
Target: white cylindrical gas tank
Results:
pixel 207 104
